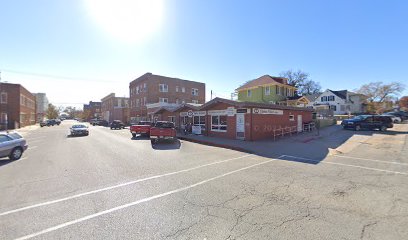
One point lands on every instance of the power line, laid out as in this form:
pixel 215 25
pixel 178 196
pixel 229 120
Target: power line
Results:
pixel 55 76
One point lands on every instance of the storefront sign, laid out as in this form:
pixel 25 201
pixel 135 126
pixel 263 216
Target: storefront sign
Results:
pixel 196 130
pixel 267 111
pixel 229 112
pixel 192 113
pixel 242 110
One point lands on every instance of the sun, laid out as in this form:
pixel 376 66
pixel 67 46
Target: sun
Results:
pixel 127 20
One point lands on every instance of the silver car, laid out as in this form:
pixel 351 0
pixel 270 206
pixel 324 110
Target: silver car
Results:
pixel 79 129
pixel 12 145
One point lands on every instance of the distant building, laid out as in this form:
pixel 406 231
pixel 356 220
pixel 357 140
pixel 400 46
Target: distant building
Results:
pixel 342 102
pixel 92 110
pixel 115 108
pixel 266 89
pixel 42 106
pixel 150 92
pixel 17 106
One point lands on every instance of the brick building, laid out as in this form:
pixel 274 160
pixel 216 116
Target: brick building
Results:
pixel 92 110
pixel 115 108
pixel 149 92
pixel 248 121
pixel 17 106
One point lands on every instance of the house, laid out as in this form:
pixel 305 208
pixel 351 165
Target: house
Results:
pixel 115 108
pixel 17 106
pixel 342 102
pixel 296 101
pixel 92 110
pixel 149 92
pixel 42 106
pixel 249 121
pixel 266 89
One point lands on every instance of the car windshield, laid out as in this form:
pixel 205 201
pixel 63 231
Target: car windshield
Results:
pixel 144 123
pixel 361 117
pixel 164 125
pixel 79 126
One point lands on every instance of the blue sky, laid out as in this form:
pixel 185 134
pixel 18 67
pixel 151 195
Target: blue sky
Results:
pixel 342 44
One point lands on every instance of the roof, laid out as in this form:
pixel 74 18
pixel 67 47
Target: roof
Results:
pixel 150 75
pixel 341 94
pixel 264 80
pixel 251 105
pixel 312 97
pixel 173 109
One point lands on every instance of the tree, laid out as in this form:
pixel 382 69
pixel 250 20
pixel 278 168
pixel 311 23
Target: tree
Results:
pixel 380 92
pixel 52 112
pixel 403 102
pixel 301 81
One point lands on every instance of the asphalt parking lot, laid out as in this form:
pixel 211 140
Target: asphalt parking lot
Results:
pixel 108 185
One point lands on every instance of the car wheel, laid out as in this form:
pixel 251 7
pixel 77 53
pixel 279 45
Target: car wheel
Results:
pixel 357 128
pixel 152 141
pixel 134 135
pixel 16 153
pixel 111 128
pixel 383 128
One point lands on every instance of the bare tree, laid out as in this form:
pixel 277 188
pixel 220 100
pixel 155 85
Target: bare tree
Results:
pixel 52 112
pixel 403 102
pixel 301 81
pixel 380 92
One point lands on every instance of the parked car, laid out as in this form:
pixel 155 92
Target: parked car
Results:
pixel 102 122
pixel 401 114
pixel 79 130
pixel 143 127
pixel 117 124
pixel 12 145
pixel 52 122
pixel 43 123
pixel 162 130
pixel 369 122
pixel 395 119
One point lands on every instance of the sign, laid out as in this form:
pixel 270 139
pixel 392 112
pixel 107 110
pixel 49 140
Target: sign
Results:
pixel 267 111
pixel 192 113
pixel 242 110
pixel 196 130
pixel 229 112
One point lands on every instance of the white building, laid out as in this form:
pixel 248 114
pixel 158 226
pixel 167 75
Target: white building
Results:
pixel 42 105
pixel 342 102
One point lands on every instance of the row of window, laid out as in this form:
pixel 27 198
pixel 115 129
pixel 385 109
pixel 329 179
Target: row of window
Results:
pixel 165 88
pixel 142 101
pixel 327 99
pixel 279 90
pixel 138 89
pixel 25 101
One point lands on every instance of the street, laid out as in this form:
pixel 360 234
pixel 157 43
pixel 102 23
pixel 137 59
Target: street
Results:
pixel 107 185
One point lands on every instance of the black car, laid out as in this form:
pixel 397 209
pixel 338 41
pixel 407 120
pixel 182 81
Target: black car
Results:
pixel 369 122
pixel 401 114
pixel 116 124
pixel 99 122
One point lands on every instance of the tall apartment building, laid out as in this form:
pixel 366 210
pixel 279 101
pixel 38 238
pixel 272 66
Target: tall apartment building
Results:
pixel 149 92
pixel 93 110
pixel 115 108
pixel 42 106
pixel 17 106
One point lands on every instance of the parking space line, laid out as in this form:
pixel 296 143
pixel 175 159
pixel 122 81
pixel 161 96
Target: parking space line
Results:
pixel 66 224
pixel 371 160
pixel 118 186
pixel 346 165
pixel 32 147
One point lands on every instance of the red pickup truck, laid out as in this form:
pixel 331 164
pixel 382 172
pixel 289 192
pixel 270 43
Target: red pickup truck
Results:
pixel 143 127
pixel 162 130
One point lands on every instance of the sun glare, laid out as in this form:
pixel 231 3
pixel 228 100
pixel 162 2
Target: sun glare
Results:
pixel 127 20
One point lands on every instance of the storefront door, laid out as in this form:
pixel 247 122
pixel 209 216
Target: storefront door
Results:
pixel 299 123
pixel 240 126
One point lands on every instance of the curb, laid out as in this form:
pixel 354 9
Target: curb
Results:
pixel 208 143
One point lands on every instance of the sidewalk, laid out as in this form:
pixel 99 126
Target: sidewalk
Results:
pixel 25 130
pixel 306 144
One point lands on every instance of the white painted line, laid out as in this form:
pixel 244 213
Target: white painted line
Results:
pixel 66 224
pixel 371 160
pixel 347 165
pixel 32 147
pixel 117 186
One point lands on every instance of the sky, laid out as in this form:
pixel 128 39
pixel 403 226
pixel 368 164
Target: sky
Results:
pixel 81 50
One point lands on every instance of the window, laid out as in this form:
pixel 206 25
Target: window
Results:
pixel 172 119
pixel 3 117
pixel 183 89
pixel 183 101
pixel 163 88
pixel 195 101
pixel 194 91
pixel 137 102
pixel 268 90
pixel 331 98
pixel 291 117
pixel 144 87
pixel 177 88
pixel 3 97
pixel 137 90
pixel 199 121
pixel 249 93
pixel 163 100
pixel 281 90
pixel 219 123
pixel 4 138
pixel 333 107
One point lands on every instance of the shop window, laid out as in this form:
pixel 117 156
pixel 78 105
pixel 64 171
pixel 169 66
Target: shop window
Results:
pixel 219 123
pixel 291 117
pixel 172 119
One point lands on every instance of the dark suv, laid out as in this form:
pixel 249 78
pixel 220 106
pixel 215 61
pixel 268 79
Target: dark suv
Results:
pixel 369 122
pixel 116 124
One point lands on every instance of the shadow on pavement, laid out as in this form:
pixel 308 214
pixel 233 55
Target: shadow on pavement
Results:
pixel 5 161
pixel 167 145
